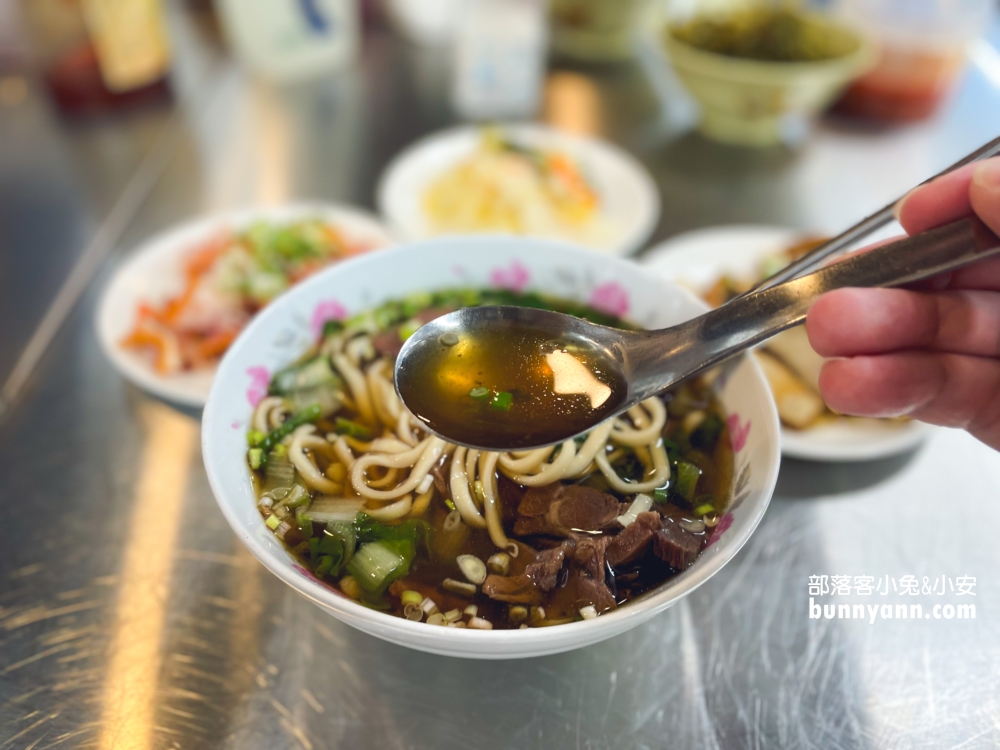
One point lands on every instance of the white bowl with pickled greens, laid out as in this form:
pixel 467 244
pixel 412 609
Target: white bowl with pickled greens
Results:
pixel 334 486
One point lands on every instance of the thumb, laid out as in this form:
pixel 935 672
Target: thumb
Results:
pixel 984 193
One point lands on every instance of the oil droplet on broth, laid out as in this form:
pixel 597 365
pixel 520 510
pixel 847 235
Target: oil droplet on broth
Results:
pixel 510 388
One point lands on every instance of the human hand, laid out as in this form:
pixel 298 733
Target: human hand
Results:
pixel 930 351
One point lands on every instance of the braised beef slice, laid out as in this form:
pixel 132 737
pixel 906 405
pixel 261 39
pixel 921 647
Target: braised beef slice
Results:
pixel 587 591
pixel 541 574
pixel 544 572
pixel 513 589
pixel 510 494
pixel 634 541
pixel 559 510
pixel 586 581
pixel 675 545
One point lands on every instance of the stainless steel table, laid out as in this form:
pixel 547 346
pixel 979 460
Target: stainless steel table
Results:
pixel 131 618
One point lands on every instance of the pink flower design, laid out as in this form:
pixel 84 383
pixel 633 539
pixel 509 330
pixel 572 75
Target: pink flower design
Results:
pixel 610 298
pixel 515 278
pixel 259 380
pixel 326 310
pixel 721 528
pixel 235 425
pixel 737 432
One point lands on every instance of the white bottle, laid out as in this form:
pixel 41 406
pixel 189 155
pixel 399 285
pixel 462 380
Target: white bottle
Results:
pixel 499 59
pixel 289 40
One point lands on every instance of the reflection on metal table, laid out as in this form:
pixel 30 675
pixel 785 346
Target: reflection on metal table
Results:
pixel 130 616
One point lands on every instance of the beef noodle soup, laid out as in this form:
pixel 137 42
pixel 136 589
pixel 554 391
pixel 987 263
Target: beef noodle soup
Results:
pixel 404 522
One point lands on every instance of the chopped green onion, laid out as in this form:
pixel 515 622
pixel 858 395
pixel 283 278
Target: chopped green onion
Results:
pixel 280 473
pixel 279 450
pixel 702 510
pixel 272 522
pixel 254 437
pixel 376 565
pixel 480 393
pixel 409 328
pixel 309 374
pixel 305 523
pixel 352 429
pixel 706 435
pixel 297 497
pixel 275 436
pixel 502 401
pixel 346 534
pixel 411 597
pixel 660 495
pixel 687 479
pixel 255 456
pixel 331 327
pixel 324 566
pixel 450 503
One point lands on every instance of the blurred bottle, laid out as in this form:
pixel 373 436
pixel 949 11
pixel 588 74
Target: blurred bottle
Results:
pixel 289 40
pixel 595 30
pixel 923 52
pixel 499 61
pixel 100 55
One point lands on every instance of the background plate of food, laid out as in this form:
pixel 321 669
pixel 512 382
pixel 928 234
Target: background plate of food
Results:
pixel 721 262
pixel 176 303
pixel 520 179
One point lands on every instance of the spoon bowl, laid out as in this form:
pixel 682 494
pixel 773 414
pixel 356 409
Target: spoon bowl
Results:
pixel 545 377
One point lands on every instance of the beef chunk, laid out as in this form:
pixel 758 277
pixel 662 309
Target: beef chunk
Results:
pixel 589 555
pixel 634 541
pixel 589 591
pixel 544 572
pixel 510 494
pixel 514 589
pixel 675 545
pixel 559 509
pixel 441 472
pixel 388 343
pixel 586 581
pixel 540 575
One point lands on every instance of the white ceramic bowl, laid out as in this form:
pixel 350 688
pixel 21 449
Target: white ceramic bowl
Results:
pixel 285 328
pixel 630 203
pixel 154 272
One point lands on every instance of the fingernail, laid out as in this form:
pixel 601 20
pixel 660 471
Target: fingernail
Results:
pixel 987 174
pixel 897 210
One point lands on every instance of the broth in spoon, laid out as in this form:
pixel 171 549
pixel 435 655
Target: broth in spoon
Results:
pixel 509 387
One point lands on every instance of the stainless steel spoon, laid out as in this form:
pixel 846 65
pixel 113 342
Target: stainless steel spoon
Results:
pixel 652 361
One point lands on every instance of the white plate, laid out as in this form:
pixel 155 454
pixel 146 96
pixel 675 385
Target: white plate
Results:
pixel 153 273
pixel 629 199
pixel 696 259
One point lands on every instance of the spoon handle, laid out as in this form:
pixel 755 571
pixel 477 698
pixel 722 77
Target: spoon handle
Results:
pixel 865 227
pixel 748 320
